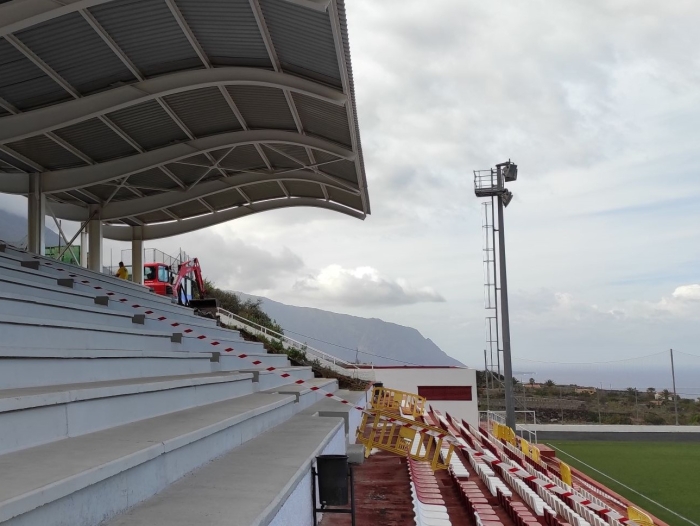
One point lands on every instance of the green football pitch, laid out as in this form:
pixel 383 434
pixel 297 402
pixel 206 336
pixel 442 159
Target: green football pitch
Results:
pixel 666 472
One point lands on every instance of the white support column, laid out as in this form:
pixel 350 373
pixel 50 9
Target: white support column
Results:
pixel 36 216
pixel 136 254
pixel 95 243
pixel 84 248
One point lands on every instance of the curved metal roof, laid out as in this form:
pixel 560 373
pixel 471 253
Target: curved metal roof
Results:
pixel 178 114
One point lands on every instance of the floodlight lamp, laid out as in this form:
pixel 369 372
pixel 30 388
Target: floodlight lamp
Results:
pixel 510 171
pixel 506 197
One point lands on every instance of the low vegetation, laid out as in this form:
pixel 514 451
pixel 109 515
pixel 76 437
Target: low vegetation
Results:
pixel 577 405
pixel 248 309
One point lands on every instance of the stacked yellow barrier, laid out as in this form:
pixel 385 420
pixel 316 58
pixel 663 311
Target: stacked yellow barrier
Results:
pixel 376 431
pixel 639 516
pixel 386 399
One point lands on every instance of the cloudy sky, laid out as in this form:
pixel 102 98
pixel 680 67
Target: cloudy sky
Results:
pixel 598 102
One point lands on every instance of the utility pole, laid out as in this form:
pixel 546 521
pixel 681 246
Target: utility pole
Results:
pixel 600 421
pixel 675 396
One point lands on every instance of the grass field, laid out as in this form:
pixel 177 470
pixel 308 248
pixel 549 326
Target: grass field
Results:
pixel 668 473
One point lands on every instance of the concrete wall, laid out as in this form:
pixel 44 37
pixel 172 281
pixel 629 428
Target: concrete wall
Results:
pixel 297 509
pixel 409 378
pixel 616 433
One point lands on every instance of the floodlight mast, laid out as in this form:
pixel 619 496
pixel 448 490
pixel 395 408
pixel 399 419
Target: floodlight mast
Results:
pixel 491 183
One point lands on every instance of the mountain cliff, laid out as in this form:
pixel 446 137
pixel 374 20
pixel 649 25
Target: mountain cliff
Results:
pixel 378 342
pixel 13 229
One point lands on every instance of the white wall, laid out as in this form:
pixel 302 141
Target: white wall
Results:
pixel 409 378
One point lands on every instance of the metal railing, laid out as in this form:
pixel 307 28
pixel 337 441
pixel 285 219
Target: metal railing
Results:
pixel 520 429
pixel 326 360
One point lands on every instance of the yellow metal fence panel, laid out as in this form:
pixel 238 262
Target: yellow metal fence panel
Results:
pixel 565 471
pixel 376 431
pixel 639 516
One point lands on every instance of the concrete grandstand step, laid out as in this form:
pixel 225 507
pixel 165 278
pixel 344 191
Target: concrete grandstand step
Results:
pixel 22 367
pixel 54 334
pixel 271 379
pixel 192 343
pixel 39 415
pixel 48 264
pixel 305 395
pixel 13 271
pixel 51 291
pixel 90 478
pixel 33 306
pixel 333 408
pixel 252 485
pixel 228 362
pixel 200 325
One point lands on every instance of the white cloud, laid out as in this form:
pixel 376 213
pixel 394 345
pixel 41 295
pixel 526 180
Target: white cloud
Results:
pixel 687 292
pixel 362 286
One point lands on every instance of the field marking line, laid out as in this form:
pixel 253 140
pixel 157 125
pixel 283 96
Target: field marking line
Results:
pixel 624 485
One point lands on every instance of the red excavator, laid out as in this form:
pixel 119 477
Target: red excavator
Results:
pixel 160 278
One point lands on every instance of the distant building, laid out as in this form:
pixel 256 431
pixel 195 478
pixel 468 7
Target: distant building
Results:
pixel 532 386
pixel 585 390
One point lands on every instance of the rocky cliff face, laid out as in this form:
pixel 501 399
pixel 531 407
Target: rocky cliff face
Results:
pixel 376 341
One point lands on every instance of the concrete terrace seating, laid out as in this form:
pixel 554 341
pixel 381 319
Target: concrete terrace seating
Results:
pixel 428 504
pixel 104 405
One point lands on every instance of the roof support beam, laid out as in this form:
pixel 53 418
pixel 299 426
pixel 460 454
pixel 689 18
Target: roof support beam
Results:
pixel 8 107
pixel 61 180
pixel 43 66
pixel 188 33
pixel 9 151
pixel 42 120
pixel 72 149
pixel 97 27
pixel 347 88
pixel 153 203
pixel 162 230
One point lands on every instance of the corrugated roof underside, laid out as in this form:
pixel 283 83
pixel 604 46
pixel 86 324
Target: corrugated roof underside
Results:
pixel 46 152
pixel 23 84
pixel 10 160
pixel 263 107
pixel 244 157
pixel 227 31
pixel 303 39
pixel 73 50
pixel 224 200
pixel 189 209
pixel 264 191
pixel 96 140
pixel 204 111
pixel 153 178
pixel 148 124
pixel 342 18
pixel 323 119
pixel 149 35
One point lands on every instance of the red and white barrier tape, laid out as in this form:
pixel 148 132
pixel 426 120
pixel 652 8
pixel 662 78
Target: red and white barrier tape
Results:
pixel 230 350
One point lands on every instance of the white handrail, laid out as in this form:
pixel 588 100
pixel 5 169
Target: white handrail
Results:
pixel 327 360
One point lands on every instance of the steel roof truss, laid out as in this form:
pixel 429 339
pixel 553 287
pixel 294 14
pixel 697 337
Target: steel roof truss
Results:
pixel 43 66
pixel 188 33
pixel 97 27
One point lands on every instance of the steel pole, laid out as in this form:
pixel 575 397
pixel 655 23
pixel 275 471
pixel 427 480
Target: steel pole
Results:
pixel 505 321
pixel 675 396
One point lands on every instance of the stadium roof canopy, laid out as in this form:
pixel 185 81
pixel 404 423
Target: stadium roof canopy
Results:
pixel 178 114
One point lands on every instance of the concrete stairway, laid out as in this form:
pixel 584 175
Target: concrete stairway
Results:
pixel 104 405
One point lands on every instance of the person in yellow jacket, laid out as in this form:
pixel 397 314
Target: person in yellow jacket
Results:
pixel 121 271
